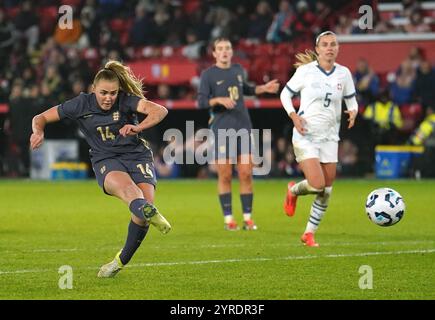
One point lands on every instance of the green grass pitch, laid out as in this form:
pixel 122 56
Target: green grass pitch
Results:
pixel 46 225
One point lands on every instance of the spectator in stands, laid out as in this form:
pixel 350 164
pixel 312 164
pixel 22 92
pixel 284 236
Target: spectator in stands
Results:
pixel 347 158
pixel 142 29
pixel 383 26
pixel 288 167
pixel 344 25
pixel 416 24
pixel 198 21
pixel 53 80
pixel 385 118
pixel 65 130
pixel 77 87
pixel 260 21
pixel 194 48
pixel 239 23
pixel 305 24
pixel 221 23
pixel 366 83
pixel 26 23
pixel 424 85
pixel 415 56
pixel 161 22
pixel 279 154
pixel 109 40
pixel 107 9
pixel 426 129
pixel 281 28
pixel 89 23
pixel 402 86
pixel 322 12
pixel 164 92
pixel 47 95
pixel 409 6
pixel 7 38
pixel 165 169
pixel 23 105
pixel 424 135
pixel 77 67
pixel 178 25
pixel 28 75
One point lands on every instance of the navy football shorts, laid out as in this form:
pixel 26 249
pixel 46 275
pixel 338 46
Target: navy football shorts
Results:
pixel 232 147
pixel 140 170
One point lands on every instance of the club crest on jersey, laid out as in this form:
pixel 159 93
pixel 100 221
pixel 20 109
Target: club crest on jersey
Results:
pixel 339 86
pixel 116 116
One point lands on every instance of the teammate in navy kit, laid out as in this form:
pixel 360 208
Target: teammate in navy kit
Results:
pixel 222 87
pixel 121 159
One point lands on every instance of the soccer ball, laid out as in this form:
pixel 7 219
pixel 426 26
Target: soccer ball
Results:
pixel 385 207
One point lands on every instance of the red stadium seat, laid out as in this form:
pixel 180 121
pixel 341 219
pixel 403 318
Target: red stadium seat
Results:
pixel 281 68
pixel 412 114
pixel 50 12
pixel 263 49
pixel 189 6
pixel 74 3
pixel 283 50
pixel 12 12
pixel 260 69
pixel 245 63
pixel 120 25
pixel 49 18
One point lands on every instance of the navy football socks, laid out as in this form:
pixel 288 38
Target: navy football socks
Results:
pixel 135 236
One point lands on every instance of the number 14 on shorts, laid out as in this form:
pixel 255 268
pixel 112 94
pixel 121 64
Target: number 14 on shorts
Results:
pixel 146 170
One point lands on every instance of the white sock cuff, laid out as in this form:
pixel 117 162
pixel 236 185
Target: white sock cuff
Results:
pixel 323 197
pixel 328 190
pixel 311 189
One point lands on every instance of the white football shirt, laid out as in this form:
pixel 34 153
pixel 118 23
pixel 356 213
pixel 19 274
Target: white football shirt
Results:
pixel 321 96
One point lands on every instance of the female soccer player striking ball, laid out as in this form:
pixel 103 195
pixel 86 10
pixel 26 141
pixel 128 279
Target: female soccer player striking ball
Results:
pixel 221 89
pixel 322 84
pixel 121 159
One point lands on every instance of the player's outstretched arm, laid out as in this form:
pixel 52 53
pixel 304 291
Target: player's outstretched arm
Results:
pixel 154 112
pixel 38 125
pixel 270 87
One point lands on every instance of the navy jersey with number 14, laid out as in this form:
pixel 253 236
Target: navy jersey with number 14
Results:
pixel 101 128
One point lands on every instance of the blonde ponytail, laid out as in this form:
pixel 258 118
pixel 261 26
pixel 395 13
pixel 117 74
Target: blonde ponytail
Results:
pixel 304 58
pixel 128 82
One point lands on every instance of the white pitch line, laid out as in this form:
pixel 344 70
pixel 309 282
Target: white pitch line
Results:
pixel 232 245
pixel 54 250
pixel 200 262
pixel 363 254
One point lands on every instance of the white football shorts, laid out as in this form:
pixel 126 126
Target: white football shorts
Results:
pixel 326 152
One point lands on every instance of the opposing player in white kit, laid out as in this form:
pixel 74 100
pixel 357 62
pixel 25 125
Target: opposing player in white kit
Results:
pixel 322 84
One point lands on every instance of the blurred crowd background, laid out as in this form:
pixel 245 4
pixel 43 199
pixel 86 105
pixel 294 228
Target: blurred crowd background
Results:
pixel 43 65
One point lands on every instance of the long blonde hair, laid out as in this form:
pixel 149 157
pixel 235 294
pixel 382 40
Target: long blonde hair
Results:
pixel 116 71
pixel 304 58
